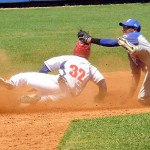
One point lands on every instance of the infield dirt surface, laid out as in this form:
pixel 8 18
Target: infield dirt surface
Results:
pixel 42 126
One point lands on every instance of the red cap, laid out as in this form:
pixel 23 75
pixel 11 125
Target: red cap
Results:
pixel 82 50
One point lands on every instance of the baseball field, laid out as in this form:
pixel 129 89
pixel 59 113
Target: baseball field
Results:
pixel 28 37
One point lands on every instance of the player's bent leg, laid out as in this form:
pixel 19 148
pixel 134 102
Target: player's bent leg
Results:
pixel 6 83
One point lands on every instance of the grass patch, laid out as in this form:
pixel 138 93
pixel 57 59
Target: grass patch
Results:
pixel 30 36
pixel 130 132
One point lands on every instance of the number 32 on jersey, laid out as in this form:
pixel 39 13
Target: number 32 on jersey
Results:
pixel 75 71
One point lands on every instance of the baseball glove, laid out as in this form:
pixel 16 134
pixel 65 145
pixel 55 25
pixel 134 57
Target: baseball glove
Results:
pixel 83 36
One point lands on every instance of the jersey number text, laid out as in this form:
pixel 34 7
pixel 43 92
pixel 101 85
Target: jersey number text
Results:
pixel 75 71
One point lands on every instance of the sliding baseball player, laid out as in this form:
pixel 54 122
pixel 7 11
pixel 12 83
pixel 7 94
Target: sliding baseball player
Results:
pixel 74 73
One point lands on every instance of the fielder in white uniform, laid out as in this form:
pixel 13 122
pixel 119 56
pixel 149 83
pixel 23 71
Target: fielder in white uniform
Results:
pixel 74 73
pixel 139 60
pixel 139 57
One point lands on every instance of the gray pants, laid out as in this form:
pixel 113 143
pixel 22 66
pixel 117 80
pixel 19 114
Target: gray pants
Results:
pixel 143 53
pixel 144 94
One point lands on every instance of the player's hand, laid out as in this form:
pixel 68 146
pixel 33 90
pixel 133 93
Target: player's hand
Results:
pixel 89 40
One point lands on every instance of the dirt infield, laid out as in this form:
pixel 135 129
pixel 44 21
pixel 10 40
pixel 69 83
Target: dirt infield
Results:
pixel 41 127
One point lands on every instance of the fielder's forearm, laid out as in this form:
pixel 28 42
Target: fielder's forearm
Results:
pixel 105 42
pixel 95 41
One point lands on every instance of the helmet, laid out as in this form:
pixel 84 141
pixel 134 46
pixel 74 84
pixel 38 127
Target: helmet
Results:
pixel 132 23
pixel 82 50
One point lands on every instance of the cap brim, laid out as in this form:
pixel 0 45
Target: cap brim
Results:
pixel 124 24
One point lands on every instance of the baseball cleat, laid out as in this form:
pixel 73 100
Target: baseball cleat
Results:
pixel 30 98
pixel 127 45
pixel 6 83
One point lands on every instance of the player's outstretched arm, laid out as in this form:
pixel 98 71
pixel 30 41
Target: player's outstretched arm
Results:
pixel 88 39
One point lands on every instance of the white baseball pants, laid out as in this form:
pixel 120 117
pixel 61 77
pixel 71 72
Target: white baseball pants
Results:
pixel 46 84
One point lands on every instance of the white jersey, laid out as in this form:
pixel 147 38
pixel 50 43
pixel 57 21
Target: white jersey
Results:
pixel 142 47
pixel 143 50
pixel 76 70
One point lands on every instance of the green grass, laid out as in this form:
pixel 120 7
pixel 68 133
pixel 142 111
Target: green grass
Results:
pixel 30 36
pixel 130 132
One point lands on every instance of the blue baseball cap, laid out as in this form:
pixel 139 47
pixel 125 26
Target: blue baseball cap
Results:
pixel 132 23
